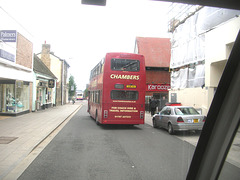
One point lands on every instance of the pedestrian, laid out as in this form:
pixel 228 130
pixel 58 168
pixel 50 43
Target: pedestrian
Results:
pixel 73 99
pixel 153 106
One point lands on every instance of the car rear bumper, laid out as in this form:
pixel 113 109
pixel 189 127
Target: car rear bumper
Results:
pixel 187 127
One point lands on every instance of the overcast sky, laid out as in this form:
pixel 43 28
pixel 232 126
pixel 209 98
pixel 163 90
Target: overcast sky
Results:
pixel 82 34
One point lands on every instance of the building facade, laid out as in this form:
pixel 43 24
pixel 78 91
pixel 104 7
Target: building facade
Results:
pixel 16 73
pixel 44 86
pixel 200 46
pixel 157 60
pixel 59 67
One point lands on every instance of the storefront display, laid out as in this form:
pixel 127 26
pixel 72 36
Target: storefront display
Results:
pixel 44 98
pixel 14 96
pixel 159 92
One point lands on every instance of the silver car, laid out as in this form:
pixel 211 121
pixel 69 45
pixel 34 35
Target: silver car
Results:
pixel 178 118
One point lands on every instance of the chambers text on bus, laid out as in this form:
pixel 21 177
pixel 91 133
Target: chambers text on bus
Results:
pixel 119 76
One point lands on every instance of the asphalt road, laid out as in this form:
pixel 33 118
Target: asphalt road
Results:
pixel 83 150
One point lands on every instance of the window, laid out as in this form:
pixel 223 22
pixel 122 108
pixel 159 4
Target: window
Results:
pixel 125 65
pixel 124 95
pixel 22 96
pixel 95 96
pixel 185 111
pixel 14 96
pixel 167 111
pixel 98 69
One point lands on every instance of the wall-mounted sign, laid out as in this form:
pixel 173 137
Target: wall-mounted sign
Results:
pixel 158 87
pixel 51 83
pixel 19 84
pixel 42 84
pixel 8 35
pixel 7 55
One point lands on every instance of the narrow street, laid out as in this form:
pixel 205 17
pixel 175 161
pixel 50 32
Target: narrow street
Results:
pixel 83 150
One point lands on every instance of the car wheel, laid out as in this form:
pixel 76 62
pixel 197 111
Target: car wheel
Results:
pixel 170 129
pixel 154 123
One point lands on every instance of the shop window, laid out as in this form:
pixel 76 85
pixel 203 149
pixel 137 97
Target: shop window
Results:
pixel 9 105
pixel 14 96
pixel 49 95
pixel 22 96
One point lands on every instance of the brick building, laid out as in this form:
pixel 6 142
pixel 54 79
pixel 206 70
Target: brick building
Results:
pixel 157 60
pixel 16 69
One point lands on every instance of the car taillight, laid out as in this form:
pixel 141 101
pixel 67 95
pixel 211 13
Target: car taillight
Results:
pixel 204 118
pixel 180 119
pixel 141 114
pixel 105 114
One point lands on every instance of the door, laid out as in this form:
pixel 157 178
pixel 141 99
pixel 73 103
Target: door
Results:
pixel 165 117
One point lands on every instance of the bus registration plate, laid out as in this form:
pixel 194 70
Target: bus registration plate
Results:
pixel 131 86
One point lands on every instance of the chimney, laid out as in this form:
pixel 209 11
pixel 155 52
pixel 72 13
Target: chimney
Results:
pixel 45 55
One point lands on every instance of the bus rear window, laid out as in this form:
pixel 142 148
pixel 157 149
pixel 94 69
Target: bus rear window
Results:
pixel 124 95
pixel 125 65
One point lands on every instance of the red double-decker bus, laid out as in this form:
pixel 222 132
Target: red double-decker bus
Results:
pixel 117 89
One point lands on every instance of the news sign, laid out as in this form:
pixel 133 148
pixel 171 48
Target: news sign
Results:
pixel 8 35
pixel 158 87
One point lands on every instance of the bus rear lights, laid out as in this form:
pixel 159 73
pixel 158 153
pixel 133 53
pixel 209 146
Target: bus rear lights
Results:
pixel 105 113
pixel 141 114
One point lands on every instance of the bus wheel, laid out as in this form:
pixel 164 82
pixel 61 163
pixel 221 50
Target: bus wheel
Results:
pixel 96 119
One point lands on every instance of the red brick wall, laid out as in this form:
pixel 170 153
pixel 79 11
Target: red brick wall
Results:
pixel 157 77
pixel 24 53
pixel 45 55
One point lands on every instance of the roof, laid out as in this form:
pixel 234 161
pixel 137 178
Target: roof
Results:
pixel 52 53
pixel 157 51
pixel 41 68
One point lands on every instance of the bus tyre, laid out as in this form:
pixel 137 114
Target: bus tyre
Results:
pixel 170 129
pixel 96 119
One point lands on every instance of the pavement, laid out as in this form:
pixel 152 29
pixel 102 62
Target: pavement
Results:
pixel 21 135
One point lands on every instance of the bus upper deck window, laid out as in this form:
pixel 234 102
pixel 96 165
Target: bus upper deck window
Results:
pixel 125 65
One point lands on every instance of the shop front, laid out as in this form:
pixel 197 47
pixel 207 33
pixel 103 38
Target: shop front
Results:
pixel 159 92
pixel 14 97
pixel 45 94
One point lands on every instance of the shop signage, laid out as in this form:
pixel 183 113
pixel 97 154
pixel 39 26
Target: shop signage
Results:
pixel 19 84
pixel 157 87
pixel 42 84
pixel 8 35
pixel 7 55
pixel 51 83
